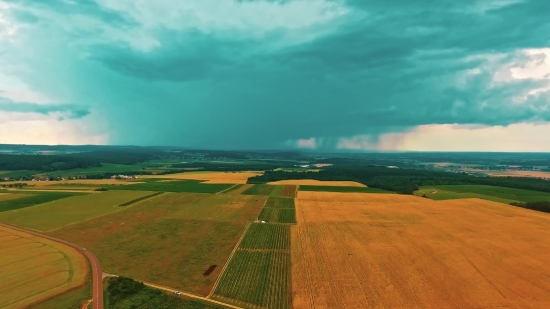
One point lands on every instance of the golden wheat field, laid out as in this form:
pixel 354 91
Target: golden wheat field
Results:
pixel 213 177
pixel 353 250
pixel 33 269
pixel 535 174
pixel 311 182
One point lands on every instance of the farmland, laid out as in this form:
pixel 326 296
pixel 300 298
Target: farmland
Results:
pixel 238 189
pixel 278 210
pixel 170 239
pixel 213 177
pixel 259 272
pixel 4 197
pixel 56 214
pixel 276 191
pixel 353 250
pixel 497 194
pixel 192 186
pixel 33 269
pixel 25 199
pixel 265 190
pixel 311 182
pixel 341 189
pixel 125 293
pixel 289 191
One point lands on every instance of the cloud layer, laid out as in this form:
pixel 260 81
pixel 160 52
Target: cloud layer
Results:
pixel 312 74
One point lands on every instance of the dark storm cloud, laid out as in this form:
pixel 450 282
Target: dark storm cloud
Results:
pixel 66 110
pixel 387 66
pixel 69 7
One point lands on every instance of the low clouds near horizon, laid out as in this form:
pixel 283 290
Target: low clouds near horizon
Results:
pixel 311 74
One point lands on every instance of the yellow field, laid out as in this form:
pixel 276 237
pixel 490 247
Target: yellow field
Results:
pixel 33 269
pixel 353 250
pixel 311 182
pixel 213 177
pixel 537 174
pixel 8 196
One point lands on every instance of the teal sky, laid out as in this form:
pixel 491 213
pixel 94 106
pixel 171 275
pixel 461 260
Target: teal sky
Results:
pixel 313 74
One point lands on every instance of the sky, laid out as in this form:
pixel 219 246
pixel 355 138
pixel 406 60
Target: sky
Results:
pixel 325 75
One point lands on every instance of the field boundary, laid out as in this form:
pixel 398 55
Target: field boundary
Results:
pixel 139 199
pixel 228 189
pixel 191 295
pixel 103 215
pixel 212 291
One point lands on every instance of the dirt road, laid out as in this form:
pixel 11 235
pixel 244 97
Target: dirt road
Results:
pixel 97 296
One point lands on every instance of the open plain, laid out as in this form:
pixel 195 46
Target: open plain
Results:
pixel 33 269
pixel 352 250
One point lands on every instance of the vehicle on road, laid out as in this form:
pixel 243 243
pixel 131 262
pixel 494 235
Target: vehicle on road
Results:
pixel 177 293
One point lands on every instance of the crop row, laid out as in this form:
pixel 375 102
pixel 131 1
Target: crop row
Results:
pixel 258 278
pixel 276 191
pixel 260 190
pixel 278 215
pixel 267 236
pixel 289 191
pixel 280 202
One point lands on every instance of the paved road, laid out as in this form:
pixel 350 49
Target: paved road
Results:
pixel 97 296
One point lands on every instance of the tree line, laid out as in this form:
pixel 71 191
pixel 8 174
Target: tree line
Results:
pixel 540 206
pixel 404 181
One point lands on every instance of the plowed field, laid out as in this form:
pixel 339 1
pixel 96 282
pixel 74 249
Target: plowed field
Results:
pixel 393 251
pixel 311 182
pixel 33 269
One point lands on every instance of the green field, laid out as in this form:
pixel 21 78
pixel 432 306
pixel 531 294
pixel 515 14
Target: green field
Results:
pixel 267 236
pixel 278 210
pixel 260 190
pixel 342 189
pixel 55 214
pixel 191 186
pixel 125 293
pixel 22 200
pixel 171 239
pixel 492 193
pixel 277 191
pixel 259 272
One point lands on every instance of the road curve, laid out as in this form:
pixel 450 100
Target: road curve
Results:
pixel 97 282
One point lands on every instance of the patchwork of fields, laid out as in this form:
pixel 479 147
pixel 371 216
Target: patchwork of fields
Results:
pixel 192 186
pixel 394 251
pixel 33 269
pixel 278 210
pixel 58 213
pixel 170 239
pixel 23 199
pixel 335 245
